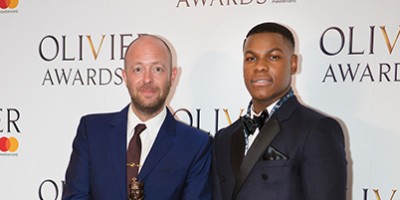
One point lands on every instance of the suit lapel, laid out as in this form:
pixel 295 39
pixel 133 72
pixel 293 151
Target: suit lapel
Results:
pixel 160 147
pixel 117 147
pixel 237 150
pixel 263 140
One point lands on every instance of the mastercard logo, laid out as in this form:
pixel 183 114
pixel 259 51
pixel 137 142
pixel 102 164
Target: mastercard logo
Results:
pixel 8 144
pixel 8 4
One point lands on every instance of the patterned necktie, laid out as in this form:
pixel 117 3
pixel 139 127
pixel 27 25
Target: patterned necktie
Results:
pixel 133 154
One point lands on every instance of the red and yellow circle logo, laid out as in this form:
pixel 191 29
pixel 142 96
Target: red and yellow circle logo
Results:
pixel 8 144
pixel 8 4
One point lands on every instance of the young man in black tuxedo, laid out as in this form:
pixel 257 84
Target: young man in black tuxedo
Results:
pixel 292 152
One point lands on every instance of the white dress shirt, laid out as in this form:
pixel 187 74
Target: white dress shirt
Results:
pixel 149 134
pixel 253 136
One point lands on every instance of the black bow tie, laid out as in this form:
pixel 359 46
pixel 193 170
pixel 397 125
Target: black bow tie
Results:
pixel 251 125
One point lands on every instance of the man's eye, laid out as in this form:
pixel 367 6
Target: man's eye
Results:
pixel 250 59
pixel 137 69
pixel 274 57
pixel 158 69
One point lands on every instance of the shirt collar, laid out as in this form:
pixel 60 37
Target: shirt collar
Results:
pixel 152 125
pixel 269 108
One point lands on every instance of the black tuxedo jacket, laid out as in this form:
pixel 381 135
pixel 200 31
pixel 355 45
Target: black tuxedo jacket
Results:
pixel 306 159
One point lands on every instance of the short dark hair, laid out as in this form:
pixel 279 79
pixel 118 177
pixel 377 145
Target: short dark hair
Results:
pixel 270 27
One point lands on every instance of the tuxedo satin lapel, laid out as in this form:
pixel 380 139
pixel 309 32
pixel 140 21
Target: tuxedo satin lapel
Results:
pixel 117 147
pixel 260 144
pixel 161 146
pixel 237 150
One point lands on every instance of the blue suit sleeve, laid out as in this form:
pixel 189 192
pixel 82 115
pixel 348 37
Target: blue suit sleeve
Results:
pixel 198 182
pixel 77 176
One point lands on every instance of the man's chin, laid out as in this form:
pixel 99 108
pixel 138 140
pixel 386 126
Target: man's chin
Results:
pixel 149 108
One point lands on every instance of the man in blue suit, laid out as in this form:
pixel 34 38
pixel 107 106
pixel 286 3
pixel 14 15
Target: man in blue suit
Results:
pixel 281 149
pixel 175 159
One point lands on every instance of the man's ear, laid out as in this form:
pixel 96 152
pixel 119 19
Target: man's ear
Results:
pixel 174 71
pixel 294 64
pixel 124 75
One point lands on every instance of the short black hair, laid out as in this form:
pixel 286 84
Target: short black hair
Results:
pixel 270 27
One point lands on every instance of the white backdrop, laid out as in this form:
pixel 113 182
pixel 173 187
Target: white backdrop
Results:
pixel 62 59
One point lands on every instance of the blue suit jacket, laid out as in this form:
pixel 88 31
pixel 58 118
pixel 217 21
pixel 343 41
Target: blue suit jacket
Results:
pixel 177 166
pixel 305 161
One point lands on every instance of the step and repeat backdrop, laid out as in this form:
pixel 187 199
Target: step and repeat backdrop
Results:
pixel 60 60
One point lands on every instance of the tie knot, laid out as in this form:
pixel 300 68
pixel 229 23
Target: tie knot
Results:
pixel 257 122
pixel 139 128
pixel 260 120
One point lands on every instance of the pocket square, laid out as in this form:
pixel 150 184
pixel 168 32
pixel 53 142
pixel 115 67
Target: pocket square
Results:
pixel 273 154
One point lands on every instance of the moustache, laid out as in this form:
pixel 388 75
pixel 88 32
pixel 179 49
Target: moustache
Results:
pixel 148 87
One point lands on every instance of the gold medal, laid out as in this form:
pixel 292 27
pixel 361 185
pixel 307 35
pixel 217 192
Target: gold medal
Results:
pixel 136 189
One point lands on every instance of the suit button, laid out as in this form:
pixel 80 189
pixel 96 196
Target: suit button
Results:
pixel 264 176
pixel 223 178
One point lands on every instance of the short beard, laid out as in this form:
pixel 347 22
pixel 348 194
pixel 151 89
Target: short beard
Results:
pixel 149 110
pixel 152 109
